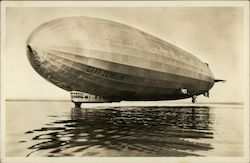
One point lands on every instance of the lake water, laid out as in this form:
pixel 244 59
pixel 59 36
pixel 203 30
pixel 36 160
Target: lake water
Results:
pixel 37 128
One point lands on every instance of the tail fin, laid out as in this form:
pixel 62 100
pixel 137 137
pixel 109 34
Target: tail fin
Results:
pixel 219 80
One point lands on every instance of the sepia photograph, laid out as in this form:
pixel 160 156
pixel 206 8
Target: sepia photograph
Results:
pixel 125 81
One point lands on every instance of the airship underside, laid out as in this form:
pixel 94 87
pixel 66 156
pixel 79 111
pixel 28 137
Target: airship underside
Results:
pixel 114 61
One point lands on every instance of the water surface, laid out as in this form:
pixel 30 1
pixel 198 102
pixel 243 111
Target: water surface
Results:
pixel 52 129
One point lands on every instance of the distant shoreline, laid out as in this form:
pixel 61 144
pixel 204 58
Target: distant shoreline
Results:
pixel 47 100
pixel 170 102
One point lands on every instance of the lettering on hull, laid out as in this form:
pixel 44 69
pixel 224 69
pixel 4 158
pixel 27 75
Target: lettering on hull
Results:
pixel 104 73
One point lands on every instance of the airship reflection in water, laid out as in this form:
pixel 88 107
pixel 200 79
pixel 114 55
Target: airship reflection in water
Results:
pixel 99 60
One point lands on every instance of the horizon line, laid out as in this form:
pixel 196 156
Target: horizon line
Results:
pixel 171 101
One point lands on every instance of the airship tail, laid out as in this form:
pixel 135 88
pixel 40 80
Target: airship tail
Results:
pixel 219 80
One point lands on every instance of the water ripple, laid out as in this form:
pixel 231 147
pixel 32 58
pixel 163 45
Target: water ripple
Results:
pixel 125 131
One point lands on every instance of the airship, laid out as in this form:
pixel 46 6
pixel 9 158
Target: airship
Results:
pixel 111 61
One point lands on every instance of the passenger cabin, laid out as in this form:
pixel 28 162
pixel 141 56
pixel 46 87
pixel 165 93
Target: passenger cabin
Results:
pixel 81 97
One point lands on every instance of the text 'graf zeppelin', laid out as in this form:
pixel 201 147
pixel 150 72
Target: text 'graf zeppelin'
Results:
pixel 104 73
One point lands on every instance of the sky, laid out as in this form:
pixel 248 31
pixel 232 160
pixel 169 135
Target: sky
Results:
pixel 213 34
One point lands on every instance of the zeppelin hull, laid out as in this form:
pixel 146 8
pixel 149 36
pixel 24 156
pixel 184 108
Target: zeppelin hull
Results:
pixel 114 61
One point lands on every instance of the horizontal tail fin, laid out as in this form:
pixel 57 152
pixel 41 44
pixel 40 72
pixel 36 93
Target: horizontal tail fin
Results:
pixel 219 80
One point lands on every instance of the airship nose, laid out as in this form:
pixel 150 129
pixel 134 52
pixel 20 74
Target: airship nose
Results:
pixel 29 50
pixel 33 57
pixel 30 53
